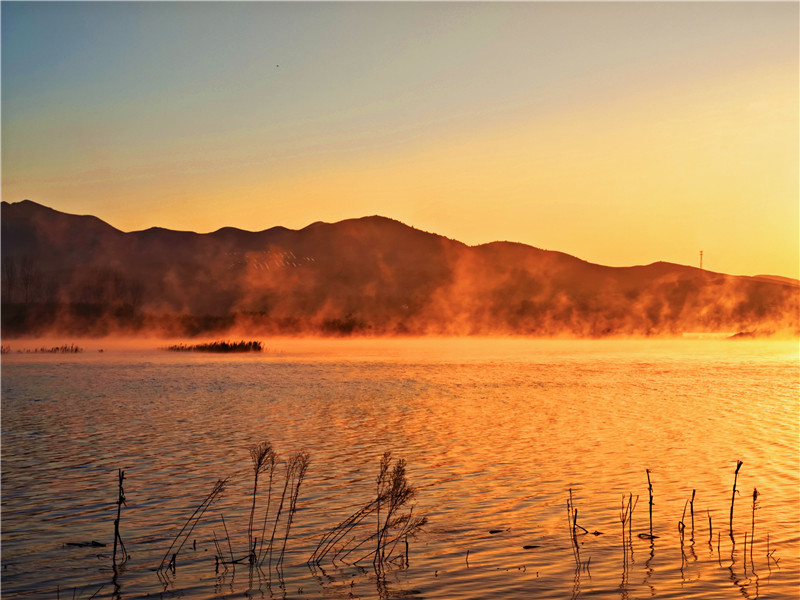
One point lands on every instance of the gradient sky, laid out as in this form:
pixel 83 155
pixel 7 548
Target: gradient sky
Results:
pixel 622 133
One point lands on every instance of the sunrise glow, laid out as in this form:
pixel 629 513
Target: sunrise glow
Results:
pixel 621 133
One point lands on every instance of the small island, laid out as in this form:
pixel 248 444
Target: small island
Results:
pixel 222 347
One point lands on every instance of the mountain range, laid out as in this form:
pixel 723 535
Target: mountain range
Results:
pixel 78 275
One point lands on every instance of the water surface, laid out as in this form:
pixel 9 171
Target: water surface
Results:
pixel 496 433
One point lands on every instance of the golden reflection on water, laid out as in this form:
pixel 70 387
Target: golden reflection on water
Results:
pixel 496 434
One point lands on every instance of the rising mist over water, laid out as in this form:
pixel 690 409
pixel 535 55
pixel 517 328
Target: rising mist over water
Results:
pixel 71 275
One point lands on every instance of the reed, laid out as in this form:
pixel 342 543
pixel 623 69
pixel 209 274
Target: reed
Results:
pixel 227 537
pixel 394 522
pixel 392 525
pixel 117 537
pixel 397 494
pixel 626 519
pixel 753 521
pixel 273 459
pixel 770 553
pixel 681 524
pixel 733 494
pixel 380 483
pixel 334 535
pixel 299 466
pixel 286 480
pixel 170 557
pixel 263 458
pixel 631 508
pixel 650 492
pixel 710 529
pixel 572 519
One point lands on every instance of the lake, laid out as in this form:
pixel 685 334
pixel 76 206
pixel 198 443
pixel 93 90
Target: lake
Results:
pixel 497 435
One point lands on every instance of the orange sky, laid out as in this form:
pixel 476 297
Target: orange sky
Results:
pixel 622 133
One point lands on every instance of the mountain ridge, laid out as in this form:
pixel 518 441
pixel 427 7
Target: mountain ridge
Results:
pixel 371 276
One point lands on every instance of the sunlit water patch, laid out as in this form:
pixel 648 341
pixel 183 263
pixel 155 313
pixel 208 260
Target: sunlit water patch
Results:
pixel 495 434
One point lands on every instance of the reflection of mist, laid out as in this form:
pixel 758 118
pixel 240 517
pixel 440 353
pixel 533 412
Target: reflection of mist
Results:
pixel 370 276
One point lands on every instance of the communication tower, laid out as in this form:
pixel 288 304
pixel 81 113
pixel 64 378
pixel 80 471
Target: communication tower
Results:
pixel 701 259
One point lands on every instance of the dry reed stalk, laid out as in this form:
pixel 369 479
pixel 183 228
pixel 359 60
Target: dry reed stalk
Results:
pixel 218 555
pixel 631 507
pixel 733 494
pixel 623 518
pixel 273 460
pixel 228 537
pixel 650 490
pixel 346 550
pixel 335 534
pixel 293 477
pixel 410 529
pixel 393 493
pixel 572 519
pixel 298 469
pixel 380 483
pixel 397 493
pixel 117 537
pixel 681 524
pixel 263 457
pixel 710 530
pixel 195 517
pixel 770 553
pixel 410 525
pixel 753 522
pixel 626 514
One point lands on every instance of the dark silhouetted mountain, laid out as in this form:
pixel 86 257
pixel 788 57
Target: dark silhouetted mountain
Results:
pixel 372 275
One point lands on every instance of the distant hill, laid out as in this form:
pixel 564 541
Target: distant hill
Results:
pixel 370 276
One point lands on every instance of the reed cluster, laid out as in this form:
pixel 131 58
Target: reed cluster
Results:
pixel 384 523
pixel 394 521
pixel 63 349
pixel 219 346
pixel 276 524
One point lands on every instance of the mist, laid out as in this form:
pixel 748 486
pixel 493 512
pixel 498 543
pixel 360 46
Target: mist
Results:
pixel 64 275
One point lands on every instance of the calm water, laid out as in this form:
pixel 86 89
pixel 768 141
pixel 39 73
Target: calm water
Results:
pixel 495 433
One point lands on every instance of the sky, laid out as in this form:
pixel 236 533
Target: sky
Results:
pixel 622 133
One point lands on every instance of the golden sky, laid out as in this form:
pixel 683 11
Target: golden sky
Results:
pixel 621 133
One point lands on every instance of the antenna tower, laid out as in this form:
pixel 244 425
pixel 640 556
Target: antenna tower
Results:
pixel 701 259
